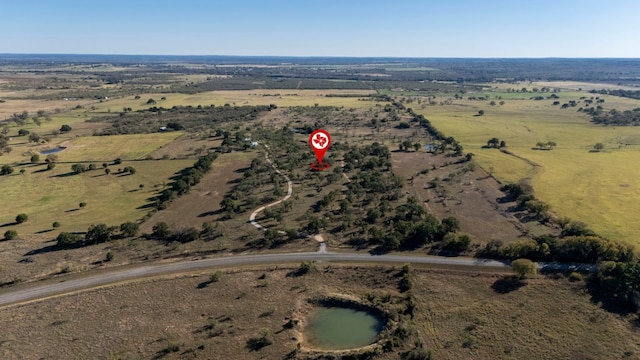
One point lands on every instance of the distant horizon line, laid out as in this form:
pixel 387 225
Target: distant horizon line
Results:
pixel 321 56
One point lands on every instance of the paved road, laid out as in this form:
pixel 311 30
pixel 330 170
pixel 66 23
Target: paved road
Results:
pixel 33 292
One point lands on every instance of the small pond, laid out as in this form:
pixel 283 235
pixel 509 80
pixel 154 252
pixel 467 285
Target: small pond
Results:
pixel 51 151
pixel 338 328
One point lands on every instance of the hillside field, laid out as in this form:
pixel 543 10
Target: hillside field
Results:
pixel 598 188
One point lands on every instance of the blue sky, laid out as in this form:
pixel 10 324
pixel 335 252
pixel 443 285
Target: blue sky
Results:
pixel 458 28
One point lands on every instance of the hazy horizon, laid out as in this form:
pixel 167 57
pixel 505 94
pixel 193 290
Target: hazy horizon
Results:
pixel 320 56
pixel 331 28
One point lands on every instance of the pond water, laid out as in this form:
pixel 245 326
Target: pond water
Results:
pixel 51 151
pixel 339 328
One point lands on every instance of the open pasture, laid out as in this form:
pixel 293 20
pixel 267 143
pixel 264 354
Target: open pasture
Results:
pixel 55 195
pixel 238 98
pixel 92 148
pixel 597 188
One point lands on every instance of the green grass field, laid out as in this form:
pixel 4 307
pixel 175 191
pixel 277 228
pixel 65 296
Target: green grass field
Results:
pixel 92 148
pixel 50 196
pixel 597 188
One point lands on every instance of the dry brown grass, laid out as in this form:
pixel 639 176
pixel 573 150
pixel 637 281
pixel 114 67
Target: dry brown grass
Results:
pixel 464 191
pixel 203 201
pixel 462 317
pixel 458 316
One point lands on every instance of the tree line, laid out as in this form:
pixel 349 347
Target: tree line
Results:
pixel 187 118
pixel 187 178
pixel 614 117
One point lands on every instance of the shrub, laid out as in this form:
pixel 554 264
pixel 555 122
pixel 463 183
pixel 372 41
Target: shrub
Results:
pixel 67 240
pixel 523 268
pixel 109 256
pixel 10 234
pixel 186 235
pixel 129 229
pixel 305 267
pixel 99 233
pixel 6 170
pixel 161 231
pixel 78 168
pixel 215 277
pixel 575 276
pixel 55 224
pixel 21 218
pixel 65 128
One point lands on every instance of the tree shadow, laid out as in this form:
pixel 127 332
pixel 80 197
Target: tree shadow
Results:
pixel 70 173
pixel 210 213
pixel 44 231
pixel 204 284
pixel 43 250
pixel 147 206
pixel 255 344
pixel 358 243
pixel 507 284
pixel 8 224
pixel 72 210
pixel 610 303
pixel 298 272
pixel 379 250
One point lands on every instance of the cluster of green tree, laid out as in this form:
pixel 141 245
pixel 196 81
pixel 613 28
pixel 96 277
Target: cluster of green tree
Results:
pixel 615 117
pixel 20 118
pixel 188 118
pixel 411 228
pixel 565 248
pixel 97 234
pixel 163 232
pixel 233 141
pixel 571 103
pixel 549 145
pixel 185 180
pixel 408 144
pixel 576 242
pixel 33 137
pixel 288 155
pixel 618 282
pixel 4 144
pixel 495 143
pixel 633 94
pixel 445 142
pixel 523 195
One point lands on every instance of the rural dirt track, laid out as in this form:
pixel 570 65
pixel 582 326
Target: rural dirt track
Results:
pixel 30 292
pixel 252 218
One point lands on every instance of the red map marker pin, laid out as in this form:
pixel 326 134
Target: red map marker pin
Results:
pixel 319 141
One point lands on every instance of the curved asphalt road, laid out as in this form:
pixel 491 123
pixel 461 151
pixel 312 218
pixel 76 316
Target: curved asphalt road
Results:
pixel 31 292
